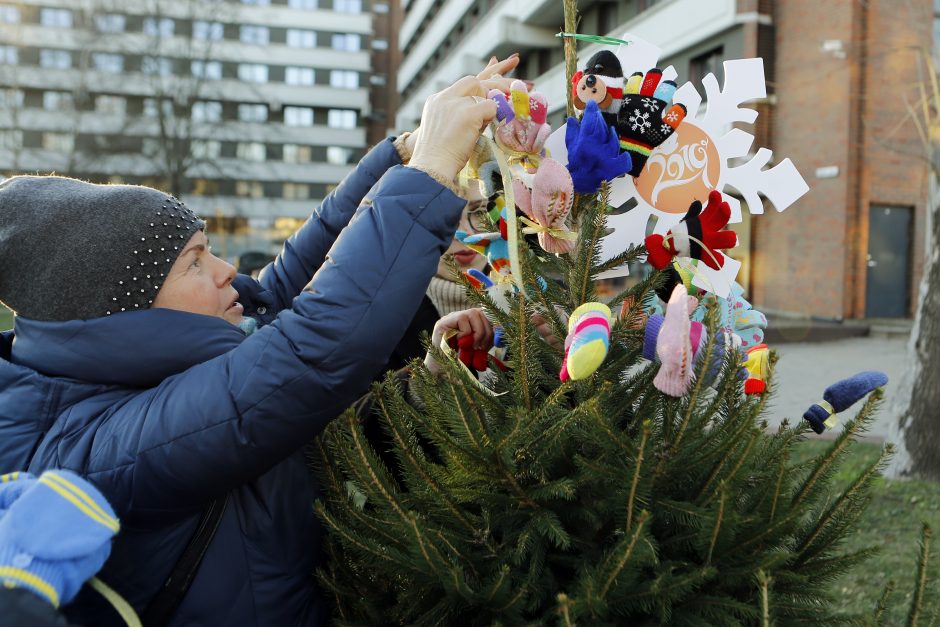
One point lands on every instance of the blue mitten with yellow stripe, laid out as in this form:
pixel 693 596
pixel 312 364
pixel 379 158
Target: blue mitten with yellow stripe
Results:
pixel 55 533
pixel 840 396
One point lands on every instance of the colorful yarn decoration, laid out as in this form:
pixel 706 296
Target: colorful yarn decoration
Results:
pixel 588 341
pixel 758 369
pixel 840 396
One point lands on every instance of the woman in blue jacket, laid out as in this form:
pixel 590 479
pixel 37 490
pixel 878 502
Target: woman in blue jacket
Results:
pixel 125 366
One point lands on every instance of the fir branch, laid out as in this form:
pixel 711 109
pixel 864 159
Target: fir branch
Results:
pixel 351 539
pixel 882 606
pixel 571 49
pixel 755 436
pixel 917 603
pixel 631 254
pixel 781 472
pixel 522 373
pixel 564 607
pixel 644 436
pixel 625 556
pixel 764 581
pixel 718 520
pixel 352 424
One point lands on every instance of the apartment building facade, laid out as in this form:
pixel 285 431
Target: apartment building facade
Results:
pixel 851 248
pixel 251 110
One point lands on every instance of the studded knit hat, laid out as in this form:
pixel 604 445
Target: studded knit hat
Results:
pixel 71 250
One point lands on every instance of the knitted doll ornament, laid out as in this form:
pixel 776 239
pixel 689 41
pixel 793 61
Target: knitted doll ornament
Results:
pixel 521 128
pixel 840 396
pixel 674 345
pixel 646 119
pixel 588 341
pixel 601 81
pixel 698 236
pixel 593 151
pixel 548 204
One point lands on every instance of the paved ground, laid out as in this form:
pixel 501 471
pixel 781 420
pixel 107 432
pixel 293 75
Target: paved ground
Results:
pixel 805 370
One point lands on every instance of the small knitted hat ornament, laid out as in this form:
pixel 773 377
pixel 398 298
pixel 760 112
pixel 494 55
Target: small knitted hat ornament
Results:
pixel 71 250
pixel 601 81
pixel 674 345
pixel 840 396
pixel 699 236
pixel 587 342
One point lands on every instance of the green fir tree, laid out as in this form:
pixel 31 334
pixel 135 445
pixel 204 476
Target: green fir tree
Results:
pixel 592 502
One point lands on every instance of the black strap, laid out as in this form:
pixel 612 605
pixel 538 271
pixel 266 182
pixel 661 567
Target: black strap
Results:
pixel 164 605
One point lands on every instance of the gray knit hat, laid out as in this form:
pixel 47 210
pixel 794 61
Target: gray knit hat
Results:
pixel 71 250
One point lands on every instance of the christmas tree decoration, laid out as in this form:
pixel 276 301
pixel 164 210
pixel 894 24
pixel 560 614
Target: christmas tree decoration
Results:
pixel 757 365
pixel 587 342
pixel 699 236
pixel 620 491
pixel 601 81
pixel 840 396
pixel 647 118
pixel 521 128
pixel 547 206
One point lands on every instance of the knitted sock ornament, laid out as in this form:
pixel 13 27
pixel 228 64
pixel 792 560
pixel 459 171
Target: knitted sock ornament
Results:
pixel 758 369
pixel 521 128
pixel 698 236
pixel 548 204
pixel 593 151
pixel 674 345
pixel 840 396
pixel 646 119
pixel 588 341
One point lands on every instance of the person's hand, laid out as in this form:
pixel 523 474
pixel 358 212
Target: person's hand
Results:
pixel 469 322
pixel 544 329
pixel 450 126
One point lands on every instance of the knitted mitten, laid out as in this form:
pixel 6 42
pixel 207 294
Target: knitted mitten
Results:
pixel 840 396
pixel 593 151
pixel 758 369
pixel 588 341
pixel 646 119
pixel 521 122
pixel 55 532
pixel 698 236
pixel 548 204
pixel 674 346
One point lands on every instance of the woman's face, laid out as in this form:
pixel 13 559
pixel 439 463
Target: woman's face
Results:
pixel 199 282
pixel 466 258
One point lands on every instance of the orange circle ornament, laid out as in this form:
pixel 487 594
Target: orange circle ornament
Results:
pixel 685 168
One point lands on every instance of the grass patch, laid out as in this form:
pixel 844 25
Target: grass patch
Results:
pixel 6 319
pixel 892 522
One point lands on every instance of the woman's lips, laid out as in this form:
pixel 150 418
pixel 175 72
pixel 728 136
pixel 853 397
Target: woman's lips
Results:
pixel 465 257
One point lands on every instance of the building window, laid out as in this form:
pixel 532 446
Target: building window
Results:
pixel 341 118
pixel 294 153
pixel 346 79
pixel 57 101
pixel 347 6
pixel 338 155
pixel 253 112
pixel 297 38
pixel 380 44
pixel 208 70
pixel 251 34
pixel 9 14
pixel 296 191
pixel 345 41
pixel 705 64
pixel 56 18
pixel 106 62
pixel 378 80
pixel 111 105
pixel 11 97
pixel 380 7
pixel 58 142
pixel 251 151
pixel 299 76
pixel 205 187
pixel 298 116
pixel 156 66
pixel 59 59
pixel 151 109
pixel 110 23
pixel 158 27
pixel 253 72
pixel 9 55
pixel 208 31
pixel 206 149
pixel 11 139
pixel 207 112
pixel 303 5
pixel 257 3
pixel 249 189
pixel 151 147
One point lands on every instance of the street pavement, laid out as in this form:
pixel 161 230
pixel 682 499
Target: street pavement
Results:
pixel 806 369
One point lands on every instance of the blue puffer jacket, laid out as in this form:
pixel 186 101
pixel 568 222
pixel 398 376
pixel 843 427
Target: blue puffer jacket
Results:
pixel 165 411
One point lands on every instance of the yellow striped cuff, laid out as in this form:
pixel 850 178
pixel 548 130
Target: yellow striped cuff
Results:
pixel 19 577
pixel 10 476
